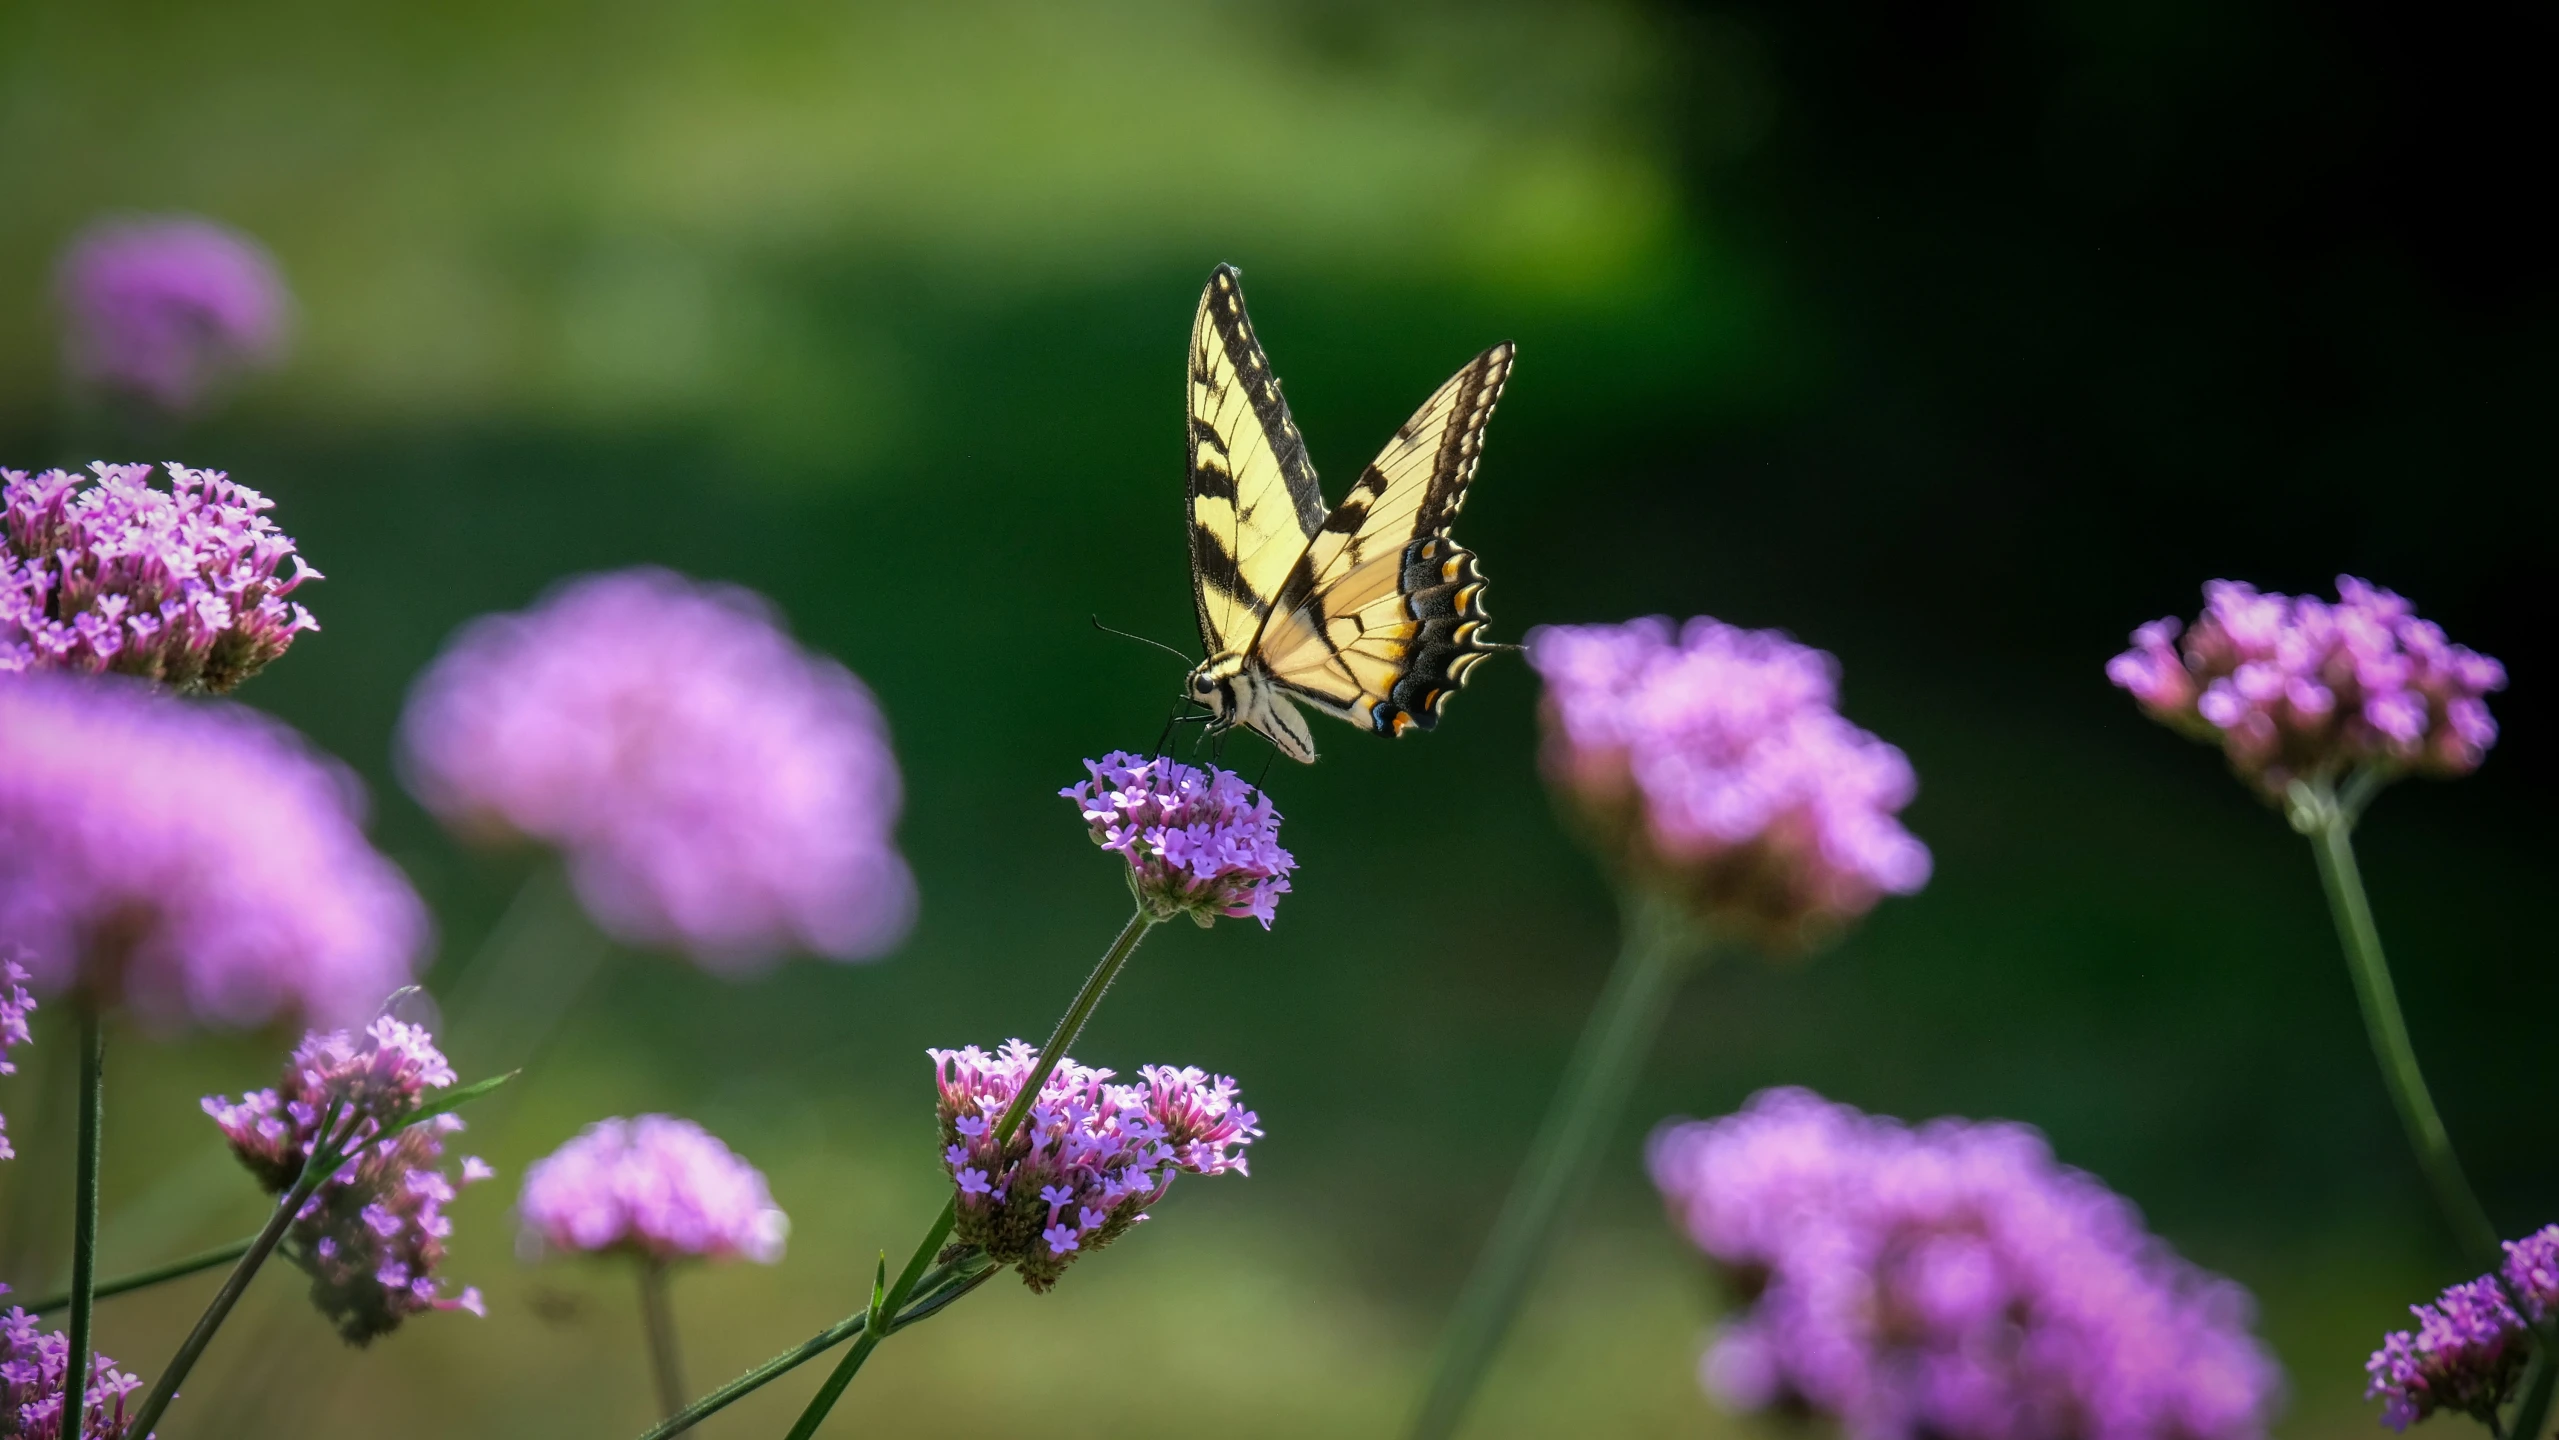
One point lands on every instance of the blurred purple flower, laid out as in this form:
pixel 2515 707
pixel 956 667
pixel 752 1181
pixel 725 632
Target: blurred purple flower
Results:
pixel 102 572
pixel 1713 762
pixel 1089 1158
pixel 33 1367
pixel 372 1234
pixel 658 1187
pixel 1951 1282
pixel 2468 1348
pixel 162 307
pixel 1198 842
pixel 193 860
pixel 2297 688
pixel 714 787
pixel 15 1003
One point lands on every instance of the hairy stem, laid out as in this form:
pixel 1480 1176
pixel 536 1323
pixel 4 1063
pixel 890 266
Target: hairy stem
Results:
pixel 2330 827
pixel 666 1363
pixel 202 1260
pixel 1069 1026
pixel 84 1218
pixel 1658 951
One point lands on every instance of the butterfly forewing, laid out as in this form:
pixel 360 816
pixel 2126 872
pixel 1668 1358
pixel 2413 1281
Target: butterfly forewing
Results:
pixel 1253 497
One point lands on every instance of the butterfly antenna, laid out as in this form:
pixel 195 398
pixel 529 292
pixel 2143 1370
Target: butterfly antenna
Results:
pixel 1181 655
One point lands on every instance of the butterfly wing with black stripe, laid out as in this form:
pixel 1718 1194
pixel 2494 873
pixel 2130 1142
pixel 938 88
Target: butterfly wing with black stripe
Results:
pixel 1382 616
pixel 1254 503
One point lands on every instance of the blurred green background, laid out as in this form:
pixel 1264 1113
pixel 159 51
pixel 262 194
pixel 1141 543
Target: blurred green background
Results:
pixel 1956 340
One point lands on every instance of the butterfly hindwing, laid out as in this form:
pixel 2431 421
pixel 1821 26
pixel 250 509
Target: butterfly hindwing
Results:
pixel 1254 502
pixel 1381 618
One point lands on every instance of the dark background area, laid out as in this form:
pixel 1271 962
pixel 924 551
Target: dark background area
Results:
pixel 1961 340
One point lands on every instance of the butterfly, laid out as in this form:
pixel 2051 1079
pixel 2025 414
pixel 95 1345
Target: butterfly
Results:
pixel 1368 611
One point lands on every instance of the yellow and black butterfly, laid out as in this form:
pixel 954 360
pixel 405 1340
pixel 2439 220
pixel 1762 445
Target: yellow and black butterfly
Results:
pixel 1369 612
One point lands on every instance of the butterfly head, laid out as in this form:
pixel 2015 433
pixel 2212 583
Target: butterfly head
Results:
pixel 1214 684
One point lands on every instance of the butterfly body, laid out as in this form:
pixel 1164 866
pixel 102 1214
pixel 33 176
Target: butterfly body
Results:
pixel 1368 611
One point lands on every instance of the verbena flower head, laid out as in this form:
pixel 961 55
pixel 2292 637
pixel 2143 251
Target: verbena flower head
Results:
pixel 1712 762
pixel 193 860
pixel 2467 1350
pixel 1198 842
pixel 163 307
pixel 714 787
pixel 15 1005
pixel 105 572
pixel 373 1234
pixel 1089 1158
pixel 657 1187
pixel 1951 1282
pixel 34 1364
pixel 2299 688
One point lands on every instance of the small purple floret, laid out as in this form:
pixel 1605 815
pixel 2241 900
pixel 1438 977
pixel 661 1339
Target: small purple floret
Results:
pixel 1090 1157
pixel 655 1186
pixel 1951 1282
pixel 33 1366
pixel 193 860
pixel 714 787
pixel 183 586
pixel 2467 1350
pixel 163 307
pixel 374 1233
pixel 15 1005
pixel 2299 688
pixel 1198 842
pixel 1713 762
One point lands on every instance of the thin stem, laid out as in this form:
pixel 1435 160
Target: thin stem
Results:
pixel 84 1219
pixel 665 1363
pixel 1658 951
pixel 324 1160
pixel 2331 830
pixel 158 1274
pixel 1069 1026
pixel 938 1289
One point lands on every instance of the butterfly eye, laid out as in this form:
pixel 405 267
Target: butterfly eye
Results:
pixel 1200 686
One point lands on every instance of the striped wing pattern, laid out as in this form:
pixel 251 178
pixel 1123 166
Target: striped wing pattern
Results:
pixel 1254 501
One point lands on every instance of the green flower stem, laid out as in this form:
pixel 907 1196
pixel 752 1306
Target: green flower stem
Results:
pixel 2318 813
pixel 145 1279
pixel 938 1289
pixel 84 1218
pixel 1659 950
pixel 666 1363
pixel 323 1162
pixel 1069 1026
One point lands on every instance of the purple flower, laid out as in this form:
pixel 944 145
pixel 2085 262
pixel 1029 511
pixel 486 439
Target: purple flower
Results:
pixel 2468 1348
pixel 713 786
pixel 192 860
pixel 1713 762
pixel 15 1003
pixel 1198 842
pixel 104 573
pixel 33 1367
pixel 656 1186
pixel 161 307
pixel 1089 1158
pixel 2297 688
pixel 1951 1281
pixel 373 1233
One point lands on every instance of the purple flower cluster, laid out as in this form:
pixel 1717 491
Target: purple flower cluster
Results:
pixel 192 860
pixel 2468 1348
pixel 162 307
pixel 102 572
pixel 1089 1158
pixel 15 1003
pixel 33 1367
pixel 1198 842
pixel 2296 688
pixel 373 1233
pixel 658 1187
pixel 1713 762
pixel 714 787
pixel 1951 1282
